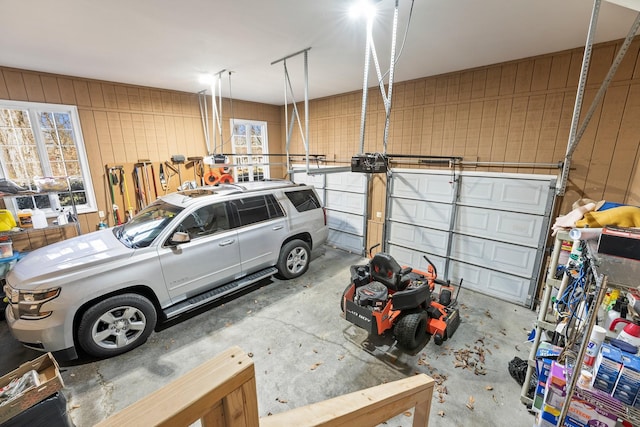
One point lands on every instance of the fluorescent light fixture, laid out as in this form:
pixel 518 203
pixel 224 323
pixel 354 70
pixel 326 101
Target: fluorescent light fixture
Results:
pixel 366 8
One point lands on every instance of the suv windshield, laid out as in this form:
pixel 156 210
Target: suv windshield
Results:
pixel 144 227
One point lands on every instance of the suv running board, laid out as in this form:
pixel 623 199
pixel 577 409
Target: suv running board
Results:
pixel 218 292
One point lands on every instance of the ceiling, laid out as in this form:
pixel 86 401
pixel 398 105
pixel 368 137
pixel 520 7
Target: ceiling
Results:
pixel 169 44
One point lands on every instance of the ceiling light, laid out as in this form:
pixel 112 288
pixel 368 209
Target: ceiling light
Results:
pixel 366 8
pixel 206 79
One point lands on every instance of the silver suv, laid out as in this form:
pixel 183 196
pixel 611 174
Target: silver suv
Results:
pixel 106 290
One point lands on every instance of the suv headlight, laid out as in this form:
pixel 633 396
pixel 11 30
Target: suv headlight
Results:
pixel 30 302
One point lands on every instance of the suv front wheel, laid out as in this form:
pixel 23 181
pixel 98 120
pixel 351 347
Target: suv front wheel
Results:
pixel 116 325
pixel 294 259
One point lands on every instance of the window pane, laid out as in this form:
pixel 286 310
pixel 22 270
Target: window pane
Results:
pixel 5 118
pixel 20 119
pixel 46 121
pixel 63 121
pixel 72 168
pixel 58 169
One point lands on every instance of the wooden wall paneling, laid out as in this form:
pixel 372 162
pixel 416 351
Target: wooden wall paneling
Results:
pixel 167 105
pixel 441 90
pixel 524 76
pixel 95 93
pixel 516 131
pixel 426 133
pixel 487 129
pixel 156 100
pixel 501 130
pixel 159 142
pixel 508 79
pixel 49 87
pixel 532 128
pixel 133 94
pixel 437 134
pixel 33 86
pixel 601 60
pixel 67 93
pixel 460 130
pixel 453 87
pixel 605 145
pixel 122 98
pixel 15 85
pixel 81 89
pixel 494 79
pixel 109 96
pixel 176 103
pixel 104 137
pixel 4 92
pixel 398 95
pixel 581 157
pixel 128 138
pixel 466 84
pixel 541 73
pixel 559 72
pixel 478 83
pixel 549 128
pixel 575 65
pixel 419 90
pixel 145 99
pixel 430 91
pixel 416 130
pixel 627 66
pixel 629 139
pixel 407 132
pixel 449 134
pixel 474 125
pixel 564 125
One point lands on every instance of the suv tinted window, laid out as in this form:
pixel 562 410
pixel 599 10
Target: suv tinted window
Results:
pixel 256 209
pixel 205 221
pixel 304 200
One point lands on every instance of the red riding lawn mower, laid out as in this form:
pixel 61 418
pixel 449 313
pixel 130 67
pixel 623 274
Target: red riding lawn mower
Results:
pixel 383 295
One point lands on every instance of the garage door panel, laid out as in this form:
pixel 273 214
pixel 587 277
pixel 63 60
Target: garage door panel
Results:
pixel 510 194
pixel 345 241
pixel 511 227
pixel 316 180
pixel 347 181
pixel 420 212
pixel 345 202
pixel 429 240
pixel 423 186
pixel 415 259
pixel 514 259
pixel 507 287
pixel 348 223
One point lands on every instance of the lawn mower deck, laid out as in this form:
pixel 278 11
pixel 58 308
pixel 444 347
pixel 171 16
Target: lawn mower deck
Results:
pixel 383 296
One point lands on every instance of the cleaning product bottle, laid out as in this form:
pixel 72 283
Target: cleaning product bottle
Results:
pixel 595 341
pixel 39 219
pixel 611 316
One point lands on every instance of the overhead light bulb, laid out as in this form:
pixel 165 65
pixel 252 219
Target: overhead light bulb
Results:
pixel 206 79
pixel 366 8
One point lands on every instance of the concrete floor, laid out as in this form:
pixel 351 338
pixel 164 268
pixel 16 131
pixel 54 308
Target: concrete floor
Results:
pixel 304 351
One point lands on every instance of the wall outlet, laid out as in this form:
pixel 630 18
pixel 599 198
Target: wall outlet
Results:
pixel 101 214
pixel 378 214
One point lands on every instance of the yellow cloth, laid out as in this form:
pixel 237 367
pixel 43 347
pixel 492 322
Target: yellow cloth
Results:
pixel 7 221
pixel 622 216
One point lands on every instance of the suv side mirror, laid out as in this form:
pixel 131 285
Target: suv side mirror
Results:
pixel 179 237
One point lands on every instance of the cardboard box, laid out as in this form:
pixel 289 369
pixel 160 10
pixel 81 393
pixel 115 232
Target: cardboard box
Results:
pixel 556 386
pixel 545 354
pixel 628 384
pixel 50 382
pixel 583 414
pixel 622 242
pixel 607 368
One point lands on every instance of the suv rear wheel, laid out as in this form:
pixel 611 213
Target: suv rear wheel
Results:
pixel 294 259
pixel 116 325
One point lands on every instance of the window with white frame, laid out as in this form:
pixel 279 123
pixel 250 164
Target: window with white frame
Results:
pixel 44 140
pixel 249 148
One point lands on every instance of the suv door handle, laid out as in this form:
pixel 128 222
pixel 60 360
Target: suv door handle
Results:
pixel 226 242
pixel 277 227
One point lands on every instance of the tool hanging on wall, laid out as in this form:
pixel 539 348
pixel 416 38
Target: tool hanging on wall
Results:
pixel 113 181
pixel 198 169
pixel 138 185
pixel 171 172
pixel 124 191
pixel 178 159
pixel 145 178
pixel 163 179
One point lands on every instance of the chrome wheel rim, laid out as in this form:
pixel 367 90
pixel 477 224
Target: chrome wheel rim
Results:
pixel 118 327
pixel 297 260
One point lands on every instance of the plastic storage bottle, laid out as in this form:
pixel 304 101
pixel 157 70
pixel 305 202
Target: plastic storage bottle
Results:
pixel 595 341
pixel 39 219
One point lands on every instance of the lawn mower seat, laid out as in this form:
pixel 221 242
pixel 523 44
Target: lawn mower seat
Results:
pixel 386 270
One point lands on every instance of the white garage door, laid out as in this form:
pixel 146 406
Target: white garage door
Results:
pixel 344 195
pixel 493 236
